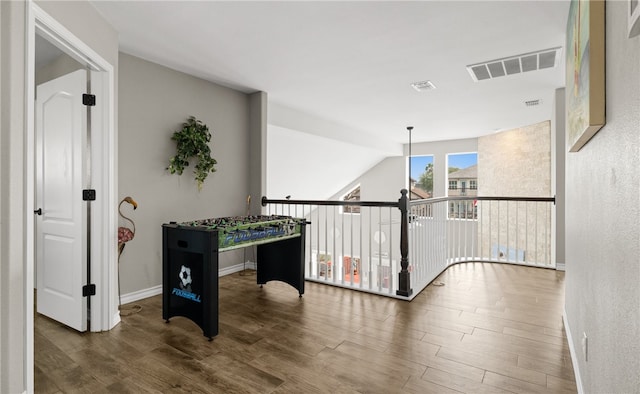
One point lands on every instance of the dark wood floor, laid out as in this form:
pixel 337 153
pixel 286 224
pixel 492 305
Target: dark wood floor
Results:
pixel 489 329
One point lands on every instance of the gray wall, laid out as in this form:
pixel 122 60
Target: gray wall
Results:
pixel 558 158
pixel 154 102
pixel 62 65
pixel 603 225
pixel 86 23
pixel 257 150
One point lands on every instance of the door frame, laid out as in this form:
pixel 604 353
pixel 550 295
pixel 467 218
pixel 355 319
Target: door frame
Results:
pixel 104 313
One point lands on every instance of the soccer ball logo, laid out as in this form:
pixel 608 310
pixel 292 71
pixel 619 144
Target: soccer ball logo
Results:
pixel 185 278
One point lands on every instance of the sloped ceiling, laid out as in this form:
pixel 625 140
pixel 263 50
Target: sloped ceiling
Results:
pixel 352 63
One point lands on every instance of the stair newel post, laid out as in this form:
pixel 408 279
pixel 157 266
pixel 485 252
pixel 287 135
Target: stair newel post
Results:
pixel 404 280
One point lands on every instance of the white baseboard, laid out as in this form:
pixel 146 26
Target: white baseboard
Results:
pixel 141 294
pixel 115 320
pixel 155 290
pixel 236 268
pixel 560 266
pixel 574 355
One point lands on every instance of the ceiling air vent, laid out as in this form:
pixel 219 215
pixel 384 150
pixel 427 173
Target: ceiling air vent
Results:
pixel 547 58
pixel 423 86
pixel 532 103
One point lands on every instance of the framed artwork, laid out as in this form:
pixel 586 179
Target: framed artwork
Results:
pixel 634 18
pixel 585 94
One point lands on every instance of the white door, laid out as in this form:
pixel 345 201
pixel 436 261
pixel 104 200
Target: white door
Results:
pixel 61 138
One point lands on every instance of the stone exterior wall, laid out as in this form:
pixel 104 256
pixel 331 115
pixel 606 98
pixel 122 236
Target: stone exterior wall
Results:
pixel 515 163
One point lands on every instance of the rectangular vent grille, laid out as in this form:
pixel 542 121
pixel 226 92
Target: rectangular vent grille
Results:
pixel 423 86
pixel 547 58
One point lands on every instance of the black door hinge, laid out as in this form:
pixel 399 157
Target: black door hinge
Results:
pixel 89 100
pixel 88 195
pixel 88 290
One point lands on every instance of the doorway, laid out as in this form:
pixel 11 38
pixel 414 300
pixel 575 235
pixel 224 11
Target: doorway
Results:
pixel 102 244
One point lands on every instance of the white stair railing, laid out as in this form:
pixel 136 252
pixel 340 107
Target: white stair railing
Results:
pixel 358 244
pixel 445 231
pixel 353 244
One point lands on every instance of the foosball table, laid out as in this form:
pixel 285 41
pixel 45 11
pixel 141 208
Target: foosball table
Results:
pixel 190 261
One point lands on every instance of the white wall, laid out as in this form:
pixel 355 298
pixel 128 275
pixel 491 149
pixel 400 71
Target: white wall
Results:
pixel 154 102
pixel 81 19
pixel 12 210
pixel 309 157
pixel 307 166
pixel 384 181
pixel 602 282
pixel 292 119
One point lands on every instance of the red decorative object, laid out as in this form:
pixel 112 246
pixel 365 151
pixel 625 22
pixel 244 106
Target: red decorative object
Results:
pixel 125 234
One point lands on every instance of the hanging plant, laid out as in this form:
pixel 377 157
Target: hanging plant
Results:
pixel 193 141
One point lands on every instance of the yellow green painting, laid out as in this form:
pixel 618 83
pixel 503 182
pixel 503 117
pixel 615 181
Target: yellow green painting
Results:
pixel 585 72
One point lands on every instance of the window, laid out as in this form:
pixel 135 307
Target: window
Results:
pixel 462 175
pixel 463 210
pixel 421 177
pixel 353 195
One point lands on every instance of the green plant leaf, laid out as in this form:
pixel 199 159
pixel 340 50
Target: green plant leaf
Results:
pixel 192 141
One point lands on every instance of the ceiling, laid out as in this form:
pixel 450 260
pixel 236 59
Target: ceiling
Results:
pixel 352 63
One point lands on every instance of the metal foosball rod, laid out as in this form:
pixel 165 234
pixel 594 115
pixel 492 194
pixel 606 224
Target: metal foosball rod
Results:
pixel 244 253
